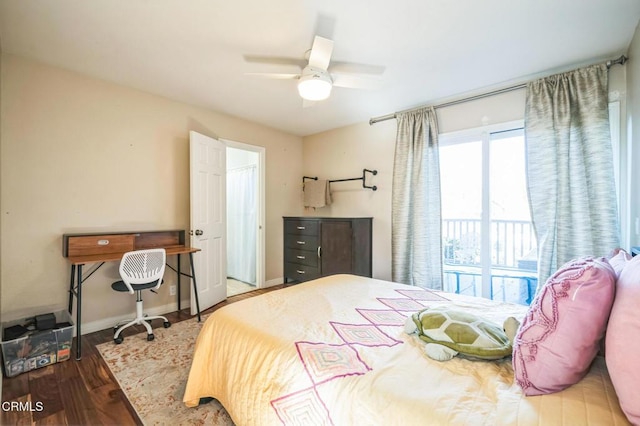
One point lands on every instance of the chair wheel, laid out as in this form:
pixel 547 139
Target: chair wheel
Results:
pixel 150 337
pixel 118 340
pixel 166 324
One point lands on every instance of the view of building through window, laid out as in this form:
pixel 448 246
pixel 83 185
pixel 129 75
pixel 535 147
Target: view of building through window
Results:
pixel 489 246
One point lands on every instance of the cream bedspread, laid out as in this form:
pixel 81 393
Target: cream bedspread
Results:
pixel 333 351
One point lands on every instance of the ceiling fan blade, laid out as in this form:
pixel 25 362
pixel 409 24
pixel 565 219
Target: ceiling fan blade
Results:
pixel 279 76
pixel 356 82
pixel 321 53
pixel 350 67
pixel 274 60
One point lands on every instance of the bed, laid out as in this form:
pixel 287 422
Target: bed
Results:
pixel 333 351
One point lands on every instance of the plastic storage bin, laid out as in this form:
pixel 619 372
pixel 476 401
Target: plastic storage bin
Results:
pixel 38 348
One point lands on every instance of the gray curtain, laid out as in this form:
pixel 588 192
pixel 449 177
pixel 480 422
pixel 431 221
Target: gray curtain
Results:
pixel 570 167
pixel 416 233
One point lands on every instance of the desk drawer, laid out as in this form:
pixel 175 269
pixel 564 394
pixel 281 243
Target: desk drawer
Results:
pixel 301 257
pixel 301 242
pixel 300 272
pixel 87 245
pixel 301 227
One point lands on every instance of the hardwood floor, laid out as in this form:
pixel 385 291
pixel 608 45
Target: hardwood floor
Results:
pixel 81 392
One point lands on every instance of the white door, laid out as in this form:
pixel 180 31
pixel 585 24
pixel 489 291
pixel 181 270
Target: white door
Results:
pixel 208 222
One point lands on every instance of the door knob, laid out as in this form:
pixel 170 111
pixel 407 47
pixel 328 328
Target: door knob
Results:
pixel 199 232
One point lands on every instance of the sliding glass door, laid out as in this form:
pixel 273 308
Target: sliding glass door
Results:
pixel 488 239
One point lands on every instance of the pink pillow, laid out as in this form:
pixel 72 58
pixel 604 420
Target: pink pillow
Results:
pixel 619 261
pixel 623 341
pixel 560 335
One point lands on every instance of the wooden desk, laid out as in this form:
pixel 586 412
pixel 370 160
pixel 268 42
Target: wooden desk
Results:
pixel 82 249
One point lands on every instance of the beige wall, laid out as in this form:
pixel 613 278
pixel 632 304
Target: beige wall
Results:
pixel 85 155
pixel 1 318
pixel 342 153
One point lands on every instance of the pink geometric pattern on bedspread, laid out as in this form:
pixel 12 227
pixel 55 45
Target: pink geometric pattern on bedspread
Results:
pixel 402 304
pixel 422 295
pixel 384 317
pixel 363 334
pixel 302 408
pixel 325 362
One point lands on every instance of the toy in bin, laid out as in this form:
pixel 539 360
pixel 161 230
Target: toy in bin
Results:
pixel 36 342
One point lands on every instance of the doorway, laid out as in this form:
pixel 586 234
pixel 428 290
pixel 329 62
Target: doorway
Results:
pixel 245 217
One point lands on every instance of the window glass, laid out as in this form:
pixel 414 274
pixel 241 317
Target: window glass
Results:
pixel 489 246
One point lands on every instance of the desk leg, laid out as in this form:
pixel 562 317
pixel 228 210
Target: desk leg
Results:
pixel 179 274
pixel 195 287
pixel 79 315
pixel 73 277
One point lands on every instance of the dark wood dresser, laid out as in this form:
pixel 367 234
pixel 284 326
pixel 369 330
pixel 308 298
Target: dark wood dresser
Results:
pixel 319 246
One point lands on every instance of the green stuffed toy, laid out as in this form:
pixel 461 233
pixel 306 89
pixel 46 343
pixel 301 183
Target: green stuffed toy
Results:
pixel 449 332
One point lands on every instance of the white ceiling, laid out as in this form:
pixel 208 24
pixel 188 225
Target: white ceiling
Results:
pixel 192 50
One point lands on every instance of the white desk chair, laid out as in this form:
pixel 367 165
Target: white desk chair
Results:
pixel 140 270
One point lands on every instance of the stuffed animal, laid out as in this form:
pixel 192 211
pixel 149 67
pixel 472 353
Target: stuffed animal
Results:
pixel 449 332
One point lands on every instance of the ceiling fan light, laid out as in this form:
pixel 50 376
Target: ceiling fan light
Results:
pixel 314 87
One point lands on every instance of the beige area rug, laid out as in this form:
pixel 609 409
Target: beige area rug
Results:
pixel 154 374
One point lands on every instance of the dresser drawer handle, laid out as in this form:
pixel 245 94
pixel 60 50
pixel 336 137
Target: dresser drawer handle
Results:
pixel 301 227
pixel 301 257
pixel 300 242
pixel 299 271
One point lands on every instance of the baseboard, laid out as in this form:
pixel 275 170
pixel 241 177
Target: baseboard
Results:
pixel 106 323
pixel 275 281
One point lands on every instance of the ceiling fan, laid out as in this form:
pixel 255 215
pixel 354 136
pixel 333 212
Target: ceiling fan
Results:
pixel 319 74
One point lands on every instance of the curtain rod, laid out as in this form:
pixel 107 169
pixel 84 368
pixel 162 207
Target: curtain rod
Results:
pixel 621 60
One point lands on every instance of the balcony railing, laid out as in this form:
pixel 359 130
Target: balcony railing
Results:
pixel 513 243
pixel 513 259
